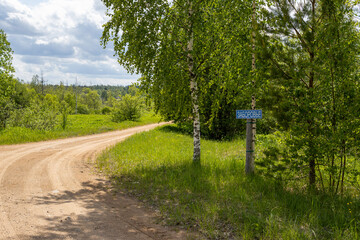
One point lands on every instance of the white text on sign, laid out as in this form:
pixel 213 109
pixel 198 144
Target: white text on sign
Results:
pixel 248 114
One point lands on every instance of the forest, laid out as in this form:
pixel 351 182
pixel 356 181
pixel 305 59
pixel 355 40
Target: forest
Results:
pixel 200 61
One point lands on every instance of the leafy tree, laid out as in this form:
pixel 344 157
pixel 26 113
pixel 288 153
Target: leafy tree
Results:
pixel 21 96
pixel 133 90
pixel 176 46
pixel 7 82
pixel 104 96
pixel 83 109
pixel 51 102
pixel 7 87
pixel 35 83
pixel 226 78
pixel 128 108
pixel 111 101
pixel 70 99
pixel 5 55
pixel 105 110
pixel 41 115
pixel 150 31
pixel 311 58
pixel 64 111
pixel 91 99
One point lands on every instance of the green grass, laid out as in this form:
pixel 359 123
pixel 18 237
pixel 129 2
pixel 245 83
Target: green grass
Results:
pixel 78 125
pixel 217 199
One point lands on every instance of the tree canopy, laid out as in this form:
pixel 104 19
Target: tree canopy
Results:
pixel 195 59
pixel 7 82
pixel 310 55
pixel 184 50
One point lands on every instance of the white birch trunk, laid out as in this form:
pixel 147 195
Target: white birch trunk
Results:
pixel 194 91
pixel 196 123
pixel 251 123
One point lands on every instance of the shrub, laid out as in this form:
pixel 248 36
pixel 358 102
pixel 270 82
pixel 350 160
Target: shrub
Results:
pixel 65 110
pixel 105 111
pixel 128 108
pixel 82 109
pixel 36 116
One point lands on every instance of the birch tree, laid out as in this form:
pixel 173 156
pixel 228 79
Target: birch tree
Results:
pixel 167 43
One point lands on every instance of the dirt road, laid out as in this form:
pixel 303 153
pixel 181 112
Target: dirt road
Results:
pixel 50 190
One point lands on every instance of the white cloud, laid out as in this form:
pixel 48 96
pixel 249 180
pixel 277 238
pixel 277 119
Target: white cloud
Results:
pixel 62 39
pixel 41 42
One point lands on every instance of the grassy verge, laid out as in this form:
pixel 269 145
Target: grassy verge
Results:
pixel 78 125
pixel 217 199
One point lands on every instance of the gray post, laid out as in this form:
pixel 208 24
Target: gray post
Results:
pixel 250 145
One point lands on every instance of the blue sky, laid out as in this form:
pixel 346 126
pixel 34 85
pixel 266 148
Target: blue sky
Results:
pixel 61 38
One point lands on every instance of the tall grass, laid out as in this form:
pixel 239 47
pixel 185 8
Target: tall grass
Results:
pixel 77 125
pixel 217 199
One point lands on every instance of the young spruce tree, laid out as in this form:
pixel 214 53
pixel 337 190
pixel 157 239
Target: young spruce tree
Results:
pixel 311 57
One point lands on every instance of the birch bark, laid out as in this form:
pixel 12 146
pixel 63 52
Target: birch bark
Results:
pixel 251 123
pixel 194 90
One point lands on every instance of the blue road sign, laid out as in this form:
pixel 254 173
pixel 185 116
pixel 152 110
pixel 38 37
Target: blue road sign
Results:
pixel 248 114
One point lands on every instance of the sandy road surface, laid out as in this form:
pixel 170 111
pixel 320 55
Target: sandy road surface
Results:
pixel 49 190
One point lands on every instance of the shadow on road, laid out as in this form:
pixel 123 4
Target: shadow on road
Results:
pixel 94 212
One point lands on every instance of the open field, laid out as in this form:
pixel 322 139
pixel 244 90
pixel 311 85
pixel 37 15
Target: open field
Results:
pixel 78 125
pixel 217 199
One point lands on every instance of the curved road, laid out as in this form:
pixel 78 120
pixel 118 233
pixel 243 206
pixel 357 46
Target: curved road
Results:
pixel 49 190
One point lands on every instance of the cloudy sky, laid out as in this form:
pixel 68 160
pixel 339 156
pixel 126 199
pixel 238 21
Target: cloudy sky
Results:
pixel 61 38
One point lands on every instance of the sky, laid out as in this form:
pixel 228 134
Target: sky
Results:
pixel 61 39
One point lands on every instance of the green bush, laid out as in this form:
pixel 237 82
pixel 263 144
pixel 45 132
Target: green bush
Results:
pixel 82 109
pixel 128 108
pixel 105 111
pixel 36 116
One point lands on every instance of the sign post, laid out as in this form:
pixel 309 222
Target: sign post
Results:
pixel 250 116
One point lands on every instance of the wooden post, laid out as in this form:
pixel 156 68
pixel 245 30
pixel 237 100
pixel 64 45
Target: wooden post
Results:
pixel 250 146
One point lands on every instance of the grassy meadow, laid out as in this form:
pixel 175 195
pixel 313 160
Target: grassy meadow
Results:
pixel 217 199
pixel 78 125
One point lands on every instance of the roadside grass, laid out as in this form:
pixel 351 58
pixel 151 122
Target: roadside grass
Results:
pixel 217 199
pixel 78 125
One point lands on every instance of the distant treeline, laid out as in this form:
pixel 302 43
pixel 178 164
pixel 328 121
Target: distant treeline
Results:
pixel 36 104
pixel 42 87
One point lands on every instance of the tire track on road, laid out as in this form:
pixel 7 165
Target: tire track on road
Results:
pixel 49 191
